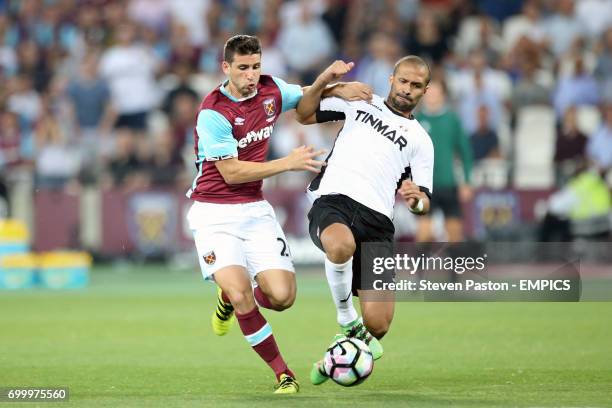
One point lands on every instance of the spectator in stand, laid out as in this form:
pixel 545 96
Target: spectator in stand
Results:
pixel 427 39
pixel 181 105
pixel 192 14
pixel 579 88
pixel 157 41
pixel 93 115
pixel 532 87
pixel 493 85
pixel 33 63
pixel 125 170
pixel 599 147
pixel 563 28
pixel 165 168
pixel 312 38
pixel 527 26
pixel 154 14
pixel 273 61
pixel 23 99
pixel 595 16
pixel 484 141
pixel 569 147
pixel 182 75
pixel 182 51
pixel 471 102
pixel 377 66
pixel 480 32
pixel 130 70
pixel 335 17
pixel 8 56
pixel 57 161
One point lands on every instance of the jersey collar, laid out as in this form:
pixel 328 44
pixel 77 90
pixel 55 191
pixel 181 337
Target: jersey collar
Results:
pixel 411 117
pixel 230 96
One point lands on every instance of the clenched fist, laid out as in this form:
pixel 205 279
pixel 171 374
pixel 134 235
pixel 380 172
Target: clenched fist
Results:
pixel 336 70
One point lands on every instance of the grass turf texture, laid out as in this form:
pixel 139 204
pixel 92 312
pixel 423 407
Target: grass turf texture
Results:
pixel 143 339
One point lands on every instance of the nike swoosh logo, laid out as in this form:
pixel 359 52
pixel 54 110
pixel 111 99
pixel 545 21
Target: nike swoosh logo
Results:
pixel 347 298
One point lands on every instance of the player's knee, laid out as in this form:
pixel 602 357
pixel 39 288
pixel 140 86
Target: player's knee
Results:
pixel 339 251
pixel 379 328
pixel 239 297
pixel 282 299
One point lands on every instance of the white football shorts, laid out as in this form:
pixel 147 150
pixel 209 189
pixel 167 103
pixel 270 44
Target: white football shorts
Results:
pixel 238 234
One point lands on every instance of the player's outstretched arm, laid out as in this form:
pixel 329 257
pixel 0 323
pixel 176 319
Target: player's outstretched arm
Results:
pixel 236 171
pixel 312 96
pixel 417 201
pixel 349 91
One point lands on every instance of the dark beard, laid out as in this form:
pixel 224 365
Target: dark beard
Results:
pixel 404 107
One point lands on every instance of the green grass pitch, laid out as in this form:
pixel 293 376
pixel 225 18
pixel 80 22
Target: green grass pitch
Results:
pixel 142 339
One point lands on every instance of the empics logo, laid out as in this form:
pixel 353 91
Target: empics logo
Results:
pixel 269 106
pixel 210 258
pixel 254 136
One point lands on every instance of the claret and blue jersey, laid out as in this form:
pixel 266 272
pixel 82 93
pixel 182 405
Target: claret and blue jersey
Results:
pixel 228 127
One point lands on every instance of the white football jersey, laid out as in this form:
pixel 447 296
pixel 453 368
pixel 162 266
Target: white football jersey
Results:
pixel 374 152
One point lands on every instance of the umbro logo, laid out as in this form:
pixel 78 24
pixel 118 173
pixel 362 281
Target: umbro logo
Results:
pixel 238 121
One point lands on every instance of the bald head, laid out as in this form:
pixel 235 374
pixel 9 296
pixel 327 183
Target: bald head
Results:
pixel 415 61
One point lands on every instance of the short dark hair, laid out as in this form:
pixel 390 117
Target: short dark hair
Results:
pixel 415 60
pixel 241 44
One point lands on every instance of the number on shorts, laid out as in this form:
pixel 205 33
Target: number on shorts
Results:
pixel 285 250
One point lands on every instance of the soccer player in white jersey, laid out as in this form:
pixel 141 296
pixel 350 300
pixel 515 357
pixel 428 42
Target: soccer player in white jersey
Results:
pixel 381 151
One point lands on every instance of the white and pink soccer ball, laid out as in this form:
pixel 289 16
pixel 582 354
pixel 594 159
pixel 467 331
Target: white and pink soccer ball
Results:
pixel 348 361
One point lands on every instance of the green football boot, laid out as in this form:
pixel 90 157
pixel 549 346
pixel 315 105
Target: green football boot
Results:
pixel 317 372
pixel 358 330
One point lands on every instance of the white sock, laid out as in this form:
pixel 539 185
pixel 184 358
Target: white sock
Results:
pixel 340 279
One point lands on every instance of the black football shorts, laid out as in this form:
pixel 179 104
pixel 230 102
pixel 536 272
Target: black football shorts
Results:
pixel 368 226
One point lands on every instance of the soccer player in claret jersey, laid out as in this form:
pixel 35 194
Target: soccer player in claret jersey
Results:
pixel 237 237
pixel 355 197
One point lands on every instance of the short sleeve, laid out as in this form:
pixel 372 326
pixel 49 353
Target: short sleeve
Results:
pixel 334 104
pixel 215 139
pixel 422 164
pixel 290 93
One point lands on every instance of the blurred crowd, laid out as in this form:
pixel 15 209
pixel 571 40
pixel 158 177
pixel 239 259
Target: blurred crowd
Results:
pixel 105 92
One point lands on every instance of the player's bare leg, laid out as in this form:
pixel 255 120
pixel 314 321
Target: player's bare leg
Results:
pixel 276 289
pixel 224 315
pixel 454 229
pixel 339 245
pixel 236 285
pixel 377 314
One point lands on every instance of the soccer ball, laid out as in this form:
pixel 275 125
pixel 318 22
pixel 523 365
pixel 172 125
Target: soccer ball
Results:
pixel 348 361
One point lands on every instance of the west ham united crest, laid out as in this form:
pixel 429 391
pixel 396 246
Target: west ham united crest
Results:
pixel 269 106
pixel 210 258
